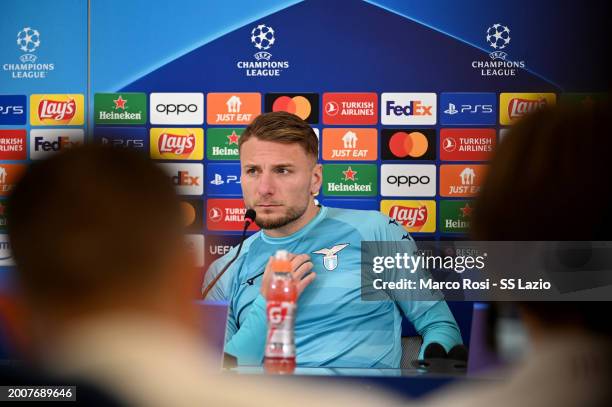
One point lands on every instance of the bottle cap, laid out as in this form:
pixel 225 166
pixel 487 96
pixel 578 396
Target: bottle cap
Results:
pixel 280 262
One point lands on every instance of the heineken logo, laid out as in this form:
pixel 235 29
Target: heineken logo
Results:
pixel 455 216
pixel 349 174
pixel 350 180
pixel 120 108
pixel 222 144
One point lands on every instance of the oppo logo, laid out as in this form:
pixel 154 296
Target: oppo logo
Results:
pixel 171 108
pixel 408 179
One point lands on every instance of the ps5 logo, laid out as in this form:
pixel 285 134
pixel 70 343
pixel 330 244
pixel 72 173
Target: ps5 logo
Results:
pixel 127 143
pixel 471 109
pixel 218 180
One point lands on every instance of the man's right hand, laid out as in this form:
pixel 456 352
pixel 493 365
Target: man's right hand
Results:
pixel 300 266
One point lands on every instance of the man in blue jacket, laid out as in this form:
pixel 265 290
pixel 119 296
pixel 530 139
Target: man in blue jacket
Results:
pixel 334 327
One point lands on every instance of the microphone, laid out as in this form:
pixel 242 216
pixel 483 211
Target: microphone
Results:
pixel 249 217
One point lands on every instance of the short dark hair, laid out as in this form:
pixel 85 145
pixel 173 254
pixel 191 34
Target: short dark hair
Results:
pixel 89 219
pixel 282 127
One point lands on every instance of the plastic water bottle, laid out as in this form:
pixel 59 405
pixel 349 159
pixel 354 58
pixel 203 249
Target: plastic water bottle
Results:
pixel 281 309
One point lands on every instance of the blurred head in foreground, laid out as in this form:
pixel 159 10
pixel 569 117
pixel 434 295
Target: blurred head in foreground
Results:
pixel 98 231
pixel 550 179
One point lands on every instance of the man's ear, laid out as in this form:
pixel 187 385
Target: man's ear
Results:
pixel 317 179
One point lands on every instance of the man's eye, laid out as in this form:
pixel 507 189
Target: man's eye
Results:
pixel 251 171
pixel 282 170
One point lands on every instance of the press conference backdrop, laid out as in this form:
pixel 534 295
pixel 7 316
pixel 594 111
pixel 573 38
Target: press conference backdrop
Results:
pixel 408 99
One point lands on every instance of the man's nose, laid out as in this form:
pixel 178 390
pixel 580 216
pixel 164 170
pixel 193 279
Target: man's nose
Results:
pixel 266 184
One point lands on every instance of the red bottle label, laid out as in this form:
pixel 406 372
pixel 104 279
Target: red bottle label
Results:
pixel 281 318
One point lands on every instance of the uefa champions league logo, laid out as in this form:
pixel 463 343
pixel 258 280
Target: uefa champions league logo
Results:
pixel 31 67
pixel 28 41
pixel 262 37
pixel 498 37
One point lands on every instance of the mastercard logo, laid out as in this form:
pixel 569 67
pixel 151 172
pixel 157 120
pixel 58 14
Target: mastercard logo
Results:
pixel 298 105
pixel 303 105
pixel 189 213
pixel 403 144
pixel 192 214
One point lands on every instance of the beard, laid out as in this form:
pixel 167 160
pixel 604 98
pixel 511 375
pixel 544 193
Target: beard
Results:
pixel 290 215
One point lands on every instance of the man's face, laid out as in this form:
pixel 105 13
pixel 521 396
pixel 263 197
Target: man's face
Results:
pixel 277 181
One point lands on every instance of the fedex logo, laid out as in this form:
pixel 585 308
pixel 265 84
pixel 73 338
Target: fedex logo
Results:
pixel 408 108
pixel 187 178
pixel 44 142
pixel 183 178
pixel 412 109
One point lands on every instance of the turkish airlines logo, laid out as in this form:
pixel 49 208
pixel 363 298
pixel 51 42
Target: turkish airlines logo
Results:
pixel 467 144
pixel 449 145
pixel 332 108
pixel 226 215
pixel 13 144
pixel 350 108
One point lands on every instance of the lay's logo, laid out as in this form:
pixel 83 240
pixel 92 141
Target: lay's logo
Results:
pixel 516 105
pixel 56 110
pixel 410 217
pixel 418 216
pixel 520 107
pixel 177 144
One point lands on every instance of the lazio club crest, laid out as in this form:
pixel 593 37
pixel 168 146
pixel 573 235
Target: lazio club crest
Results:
pixel 330 256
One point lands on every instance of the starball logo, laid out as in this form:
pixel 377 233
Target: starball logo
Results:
pixel 263 37
pixel 498 38
pixel 29 40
